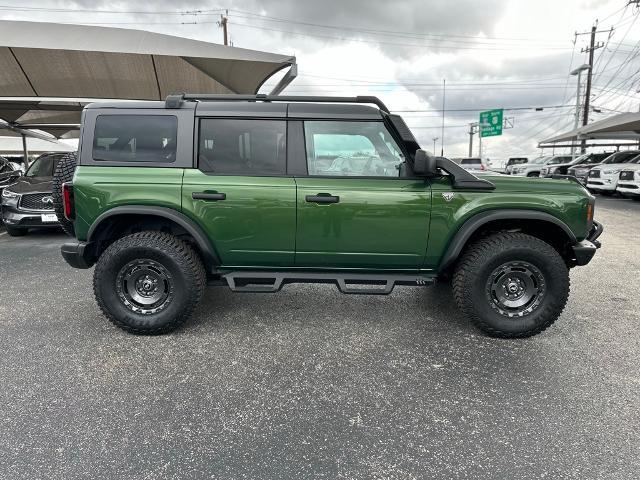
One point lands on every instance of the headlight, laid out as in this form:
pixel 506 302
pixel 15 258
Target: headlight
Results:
pixel 9 194
pixel 610 172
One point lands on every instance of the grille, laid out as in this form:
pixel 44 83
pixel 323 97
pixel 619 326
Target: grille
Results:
pixel 628 175
pixel 33 201
pixel 594 173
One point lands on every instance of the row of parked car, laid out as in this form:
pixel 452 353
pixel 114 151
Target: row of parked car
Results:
pixel 605 172
pixel 27 200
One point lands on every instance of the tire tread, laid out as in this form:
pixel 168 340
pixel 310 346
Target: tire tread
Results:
pixel 179 250
pixel 464 279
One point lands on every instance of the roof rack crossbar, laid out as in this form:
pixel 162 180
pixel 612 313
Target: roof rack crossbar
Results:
pixel 174 101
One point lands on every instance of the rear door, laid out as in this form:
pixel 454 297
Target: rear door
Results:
pixel 240 193
pixel 355 209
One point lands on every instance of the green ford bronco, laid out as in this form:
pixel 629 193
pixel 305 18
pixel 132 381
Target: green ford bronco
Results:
pixel 255 192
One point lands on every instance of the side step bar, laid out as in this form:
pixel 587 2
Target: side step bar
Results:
pixel 354 283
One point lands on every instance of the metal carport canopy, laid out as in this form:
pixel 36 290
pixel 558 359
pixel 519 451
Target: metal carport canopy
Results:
pixel 617 127
pixel 56 60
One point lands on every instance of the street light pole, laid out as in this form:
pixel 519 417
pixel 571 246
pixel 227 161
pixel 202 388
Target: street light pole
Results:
pixel 435 139
pixel 578 71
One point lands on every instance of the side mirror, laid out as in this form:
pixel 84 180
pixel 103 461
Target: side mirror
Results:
pixel 424 164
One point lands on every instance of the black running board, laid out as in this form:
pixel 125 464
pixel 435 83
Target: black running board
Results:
pixel 354 283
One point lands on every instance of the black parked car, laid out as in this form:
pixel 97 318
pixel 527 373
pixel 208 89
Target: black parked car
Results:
pixel 28 202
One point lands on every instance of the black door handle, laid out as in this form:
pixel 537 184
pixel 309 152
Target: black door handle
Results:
pixel 322 198
pixel 212 197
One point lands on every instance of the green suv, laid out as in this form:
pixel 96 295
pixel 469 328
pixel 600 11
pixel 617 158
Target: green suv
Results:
pixel 255 192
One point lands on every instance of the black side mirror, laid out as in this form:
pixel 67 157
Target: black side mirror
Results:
pixel 424 164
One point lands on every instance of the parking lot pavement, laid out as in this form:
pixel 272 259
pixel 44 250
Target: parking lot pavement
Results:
pixel 310 383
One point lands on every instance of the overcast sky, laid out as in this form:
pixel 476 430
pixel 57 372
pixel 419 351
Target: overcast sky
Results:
pixel 492 53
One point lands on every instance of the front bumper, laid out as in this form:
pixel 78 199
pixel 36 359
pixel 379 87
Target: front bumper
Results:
pixel 584 251
pixel 606 183
pixel 78 254
pixel 629 188
pixel 18 218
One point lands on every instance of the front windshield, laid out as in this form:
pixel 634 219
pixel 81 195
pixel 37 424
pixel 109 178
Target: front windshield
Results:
pixel 620 157
pixel 42 167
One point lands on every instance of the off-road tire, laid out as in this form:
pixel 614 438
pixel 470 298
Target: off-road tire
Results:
pixel 16 232
pixel 475 267
pixel 179 259
pixel 63 173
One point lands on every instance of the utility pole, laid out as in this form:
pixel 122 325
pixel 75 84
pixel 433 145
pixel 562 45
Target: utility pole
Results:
pixel 223 23
pixel 587 96
pixel 444 92
pixel 472 131
pixel 435 139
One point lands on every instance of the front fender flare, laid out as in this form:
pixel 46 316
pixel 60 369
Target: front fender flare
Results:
pixel 472 224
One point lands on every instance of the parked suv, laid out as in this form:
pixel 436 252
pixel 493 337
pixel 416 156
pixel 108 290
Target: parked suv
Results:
pixel 603 178
pixel 28 203
pixel 563 168
pixel 276 190
pixel 535 166
pixel 472 164
pixel 581 172
pixel 629 181
pixel 512 162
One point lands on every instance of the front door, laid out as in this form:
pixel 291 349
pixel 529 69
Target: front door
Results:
pixel 354 208
pixel 240 195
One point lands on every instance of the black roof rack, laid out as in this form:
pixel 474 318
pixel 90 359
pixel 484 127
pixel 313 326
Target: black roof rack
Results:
pixel 175 101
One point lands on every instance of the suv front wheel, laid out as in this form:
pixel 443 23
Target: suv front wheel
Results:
pixel 511 285
pixel 149 282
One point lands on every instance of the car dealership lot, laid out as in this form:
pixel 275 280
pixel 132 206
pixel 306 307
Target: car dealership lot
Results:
pixel 308 382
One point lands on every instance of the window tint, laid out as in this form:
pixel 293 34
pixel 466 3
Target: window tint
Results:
pixel 470 161
pixel 135 138
pixel 351 149
pixel 243 147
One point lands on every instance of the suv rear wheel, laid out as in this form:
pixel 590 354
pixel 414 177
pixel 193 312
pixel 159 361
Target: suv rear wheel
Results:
pixel 511 285
pixel 149 282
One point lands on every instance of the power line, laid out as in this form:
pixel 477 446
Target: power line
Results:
pixel 401 44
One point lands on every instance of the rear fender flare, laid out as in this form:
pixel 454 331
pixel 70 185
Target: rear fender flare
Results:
pixel 207 250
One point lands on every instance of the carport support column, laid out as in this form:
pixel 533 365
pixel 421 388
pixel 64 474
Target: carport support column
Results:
pixel 25 152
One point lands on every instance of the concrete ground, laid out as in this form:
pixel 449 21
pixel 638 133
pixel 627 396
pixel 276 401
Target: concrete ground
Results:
pixel 309 383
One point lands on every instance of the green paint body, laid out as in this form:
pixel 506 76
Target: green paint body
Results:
pixel 378 224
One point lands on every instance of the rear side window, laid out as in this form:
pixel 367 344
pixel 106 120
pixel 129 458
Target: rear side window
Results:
pixel 243 147
pixel 470 161
pixel 135 138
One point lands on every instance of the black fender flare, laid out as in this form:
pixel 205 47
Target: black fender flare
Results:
pixel 472 224
pixel 209 254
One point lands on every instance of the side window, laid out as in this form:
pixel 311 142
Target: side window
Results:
pixel 364 149
pixel 243 147
pixel 135 138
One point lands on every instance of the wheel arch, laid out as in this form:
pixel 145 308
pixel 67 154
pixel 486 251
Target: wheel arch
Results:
pixel 539 224
pixel 130 218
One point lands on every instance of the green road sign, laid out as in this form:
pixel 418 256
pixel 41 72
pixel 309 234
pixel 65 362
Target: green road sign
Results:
pixel 491 123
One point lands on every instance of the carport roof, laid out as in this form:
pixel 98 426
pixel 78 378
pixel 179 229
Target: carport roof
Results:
pixel 616 127
pixel 71 61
